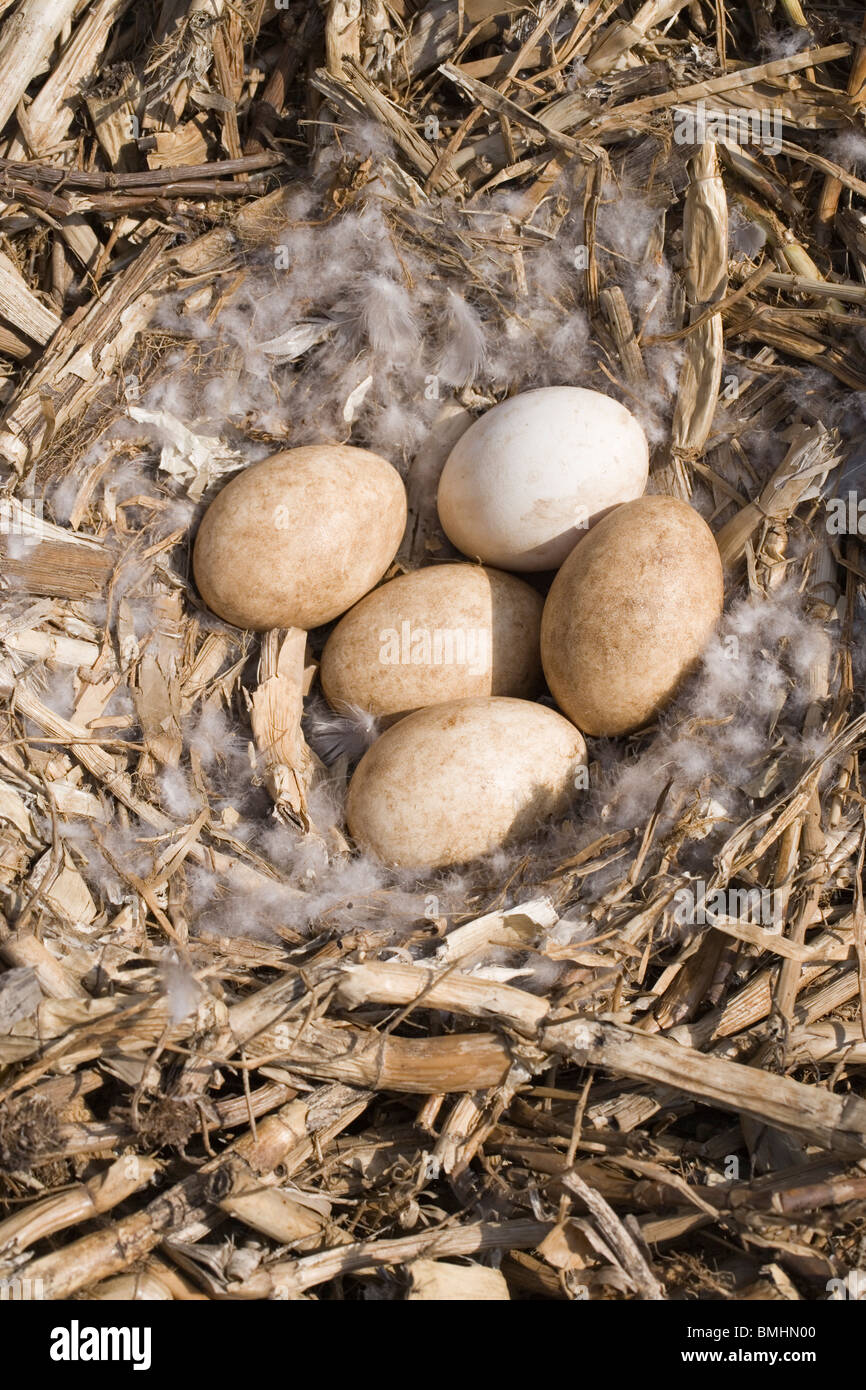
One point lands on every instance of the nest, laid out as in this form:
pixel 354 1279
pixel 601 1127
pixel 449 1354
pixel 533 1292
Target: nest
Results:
pixel 236 1059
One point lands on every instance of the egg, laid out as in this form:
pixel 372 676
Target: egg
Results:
pixel 455 781
pixel 524 483
pixel 295 540
pixel 629 614
pixel 443 633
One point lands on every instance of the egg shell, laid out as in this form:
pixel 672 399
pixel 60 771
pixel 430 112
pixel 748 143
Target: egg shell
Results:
pixel 630 613
pixel 295 540
pixel 447 632
pixel 452 782
pixel 524 483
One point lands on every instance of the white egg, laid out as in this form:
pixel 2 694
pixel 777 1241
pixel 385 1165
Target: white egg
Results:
pixel 527 479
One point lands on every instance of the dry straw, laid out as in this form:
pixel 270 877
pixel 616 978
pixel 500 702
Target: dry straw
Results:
pixel 537 1081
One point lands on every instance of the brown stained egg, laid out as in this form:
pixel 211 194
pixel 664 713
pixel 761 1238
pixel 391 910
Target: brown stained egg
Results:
pixel 295 540
pixel 630 613
pixel 443 633
pixel 452 782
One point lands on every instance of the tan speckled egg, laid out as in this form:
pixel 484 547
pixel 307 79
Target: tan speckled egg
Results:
pixel 630 613
pixel 295 540
pixel 452 782
pixel 442 633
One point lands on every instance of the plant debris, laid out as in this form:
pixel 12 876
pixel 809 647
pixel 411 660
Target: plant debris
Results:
pixel 626 1059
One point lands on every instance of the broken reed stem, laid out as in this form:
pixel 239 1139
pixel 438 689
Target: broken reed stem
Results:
pixel 26 40
pixel 276 707
pixel 813 454
pixel 834 1122
pixel 705 245
pixel 290 1279
pixel 83 1202
pixel 96 1257
pixel 159 210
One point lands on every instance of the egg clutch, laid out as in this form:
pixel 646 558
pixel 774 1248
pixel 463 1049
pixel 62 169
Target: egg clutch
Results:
pixel 451 658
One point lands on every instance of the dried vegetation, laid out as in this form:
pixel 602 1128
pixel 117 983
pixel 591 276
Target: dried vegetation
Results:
pixel 531 1080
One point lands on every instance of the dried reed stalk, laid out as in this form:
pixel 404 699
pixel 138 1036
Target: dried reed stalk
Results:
pixel 812 455
pixel 96 1257
pixel 826 1120
pixel 25 43
pixel 276 707
pixel 141 188
pixel 20 307
pixel 50 114
pixel 84 1202
pixel 621 36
